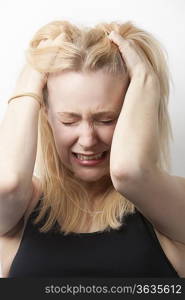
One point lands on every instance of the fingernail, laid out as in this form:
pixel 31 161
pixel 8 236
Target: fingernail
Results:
pixel 110 35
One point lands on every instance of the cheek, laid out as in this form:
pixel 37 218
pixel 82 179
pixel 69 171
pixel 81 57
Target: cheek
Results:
pixel 107 134
pixel 65 140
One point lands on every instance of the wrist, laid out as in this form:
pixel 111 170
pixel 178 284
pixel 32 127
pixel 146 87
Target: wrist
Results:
pixel 29 96
pixel 27 90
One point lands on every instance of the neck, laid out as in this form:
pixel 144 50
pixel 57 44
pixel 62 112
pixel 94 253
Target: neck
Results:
pixel 98 187
pixel 96 191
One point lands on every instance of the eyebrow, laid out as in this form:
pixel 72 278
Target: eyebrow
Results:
pixel 98 114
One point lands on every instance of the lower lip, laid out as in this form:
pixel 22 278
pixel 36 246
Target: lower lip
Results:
pixel 90 162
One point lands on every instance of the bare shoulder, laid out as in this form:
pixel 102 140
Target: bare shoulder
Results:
pixel 37 192
pixel 37 187
pixel 10 241
pixel 164 239
pixel 175 252
pixel 181 179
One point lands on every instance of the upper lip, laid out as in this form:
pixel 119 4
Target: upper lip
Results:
pixel 87 154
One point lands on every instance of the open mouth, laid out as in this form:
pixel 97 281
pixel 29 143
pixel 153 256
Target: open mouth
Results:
pixel 94 157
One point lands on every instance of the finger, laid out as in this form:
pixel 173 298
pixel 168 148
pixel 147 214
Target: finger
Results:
pixel 118 40
pixel 49 42
pixel 129 53
pixel 132 55
pixel 44 43
pixel 59 39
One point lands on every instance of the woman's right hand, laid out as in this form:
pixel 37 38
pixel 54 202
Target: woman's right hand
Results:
pixel 31 80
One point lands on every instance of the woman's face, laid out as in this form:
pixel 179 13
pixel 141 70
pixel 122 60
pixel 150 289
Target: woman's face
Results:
pixel 83 111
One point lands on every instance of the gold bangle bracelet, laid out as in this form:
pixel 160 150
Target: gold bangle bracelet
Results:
pixel 35 96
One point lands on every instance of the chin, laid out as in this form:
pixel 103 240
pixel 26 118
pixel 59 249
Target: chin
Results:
pixel 90 177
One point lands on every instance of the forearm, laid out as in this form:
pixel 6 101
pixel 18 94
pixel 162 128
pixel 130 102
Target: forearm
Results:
pixel 18 136
pixel 135 141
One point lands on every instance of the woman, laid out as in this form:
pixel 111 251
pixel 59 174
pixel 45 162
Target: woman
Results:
pixel 104 204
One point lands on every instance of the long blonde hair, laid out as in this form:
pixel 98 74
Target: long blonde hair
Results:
pixel 89 49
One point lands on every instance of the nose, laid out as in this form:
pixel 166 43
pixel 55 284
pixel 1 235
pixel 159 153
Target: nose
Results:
pixel 87 137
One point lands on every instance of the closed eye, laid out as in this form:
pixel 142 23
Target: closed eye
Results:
pixel 104 122
pixel 107 122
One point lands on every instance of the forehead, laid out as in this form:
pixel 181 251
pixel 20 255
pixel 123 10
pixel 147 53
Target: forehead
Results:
pixel 70 90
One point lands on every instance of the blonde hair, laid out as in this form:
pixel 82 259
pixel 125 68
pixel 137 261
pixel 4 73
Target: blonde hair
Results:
pixel 89 49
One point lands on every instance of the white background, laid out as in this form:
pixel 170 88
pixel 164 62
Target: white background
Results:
pixel 19 20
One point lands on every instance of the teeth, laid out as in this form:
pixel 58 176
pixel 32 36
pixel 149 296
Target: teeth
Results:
pixel 83 157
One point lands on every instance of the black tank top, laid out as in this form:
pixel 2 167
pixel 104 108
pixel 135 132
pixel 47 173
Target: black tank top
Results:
pixel 131 251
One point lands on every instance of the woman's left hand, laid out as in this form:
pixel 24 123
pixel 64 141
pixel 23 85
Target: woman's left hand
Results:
pixel 135 139
pixel 133 56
